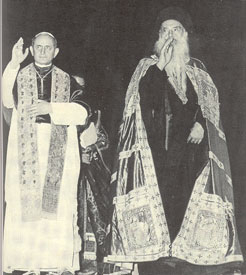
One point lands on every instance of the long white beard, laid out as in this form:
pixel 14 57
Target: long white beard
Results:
pixel 176 68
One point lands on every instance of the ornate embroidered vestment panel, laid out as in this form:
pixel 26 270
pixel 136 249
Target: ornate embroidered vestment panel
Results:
pixel 33 203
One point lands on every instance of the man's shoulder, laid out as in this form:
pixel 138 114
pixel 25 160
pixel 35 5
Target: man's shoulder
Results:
pixel 148 60
pixel 145 63
pixel 195 62
pixel 58 70
pixel 26 68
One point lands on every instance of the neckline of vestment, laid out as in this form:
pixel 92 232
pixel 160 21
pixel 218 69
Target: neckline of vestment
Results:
pixel 42 72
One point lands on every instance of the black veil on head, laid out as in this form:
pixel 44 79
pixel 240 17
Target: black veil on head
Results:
pixel 175 13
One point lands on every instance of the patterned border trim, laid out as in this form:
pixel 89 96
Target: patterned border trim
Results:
pixel 207 94
pixel 60 92
pixel 221 166
pixel 31 201
pixel 27 145
pixel 229 180
pixel 205 216
pixel 221 134
pixel 113 177
pixel 135 147
pixel 216 160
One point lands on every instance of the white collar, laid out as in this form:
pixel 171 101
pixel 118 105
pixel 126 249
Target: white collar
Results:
pixel 43 66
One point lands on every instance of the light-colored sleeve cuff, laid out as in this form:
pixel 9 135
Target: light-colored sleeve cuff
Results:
pixel 8 81
pixel 68 114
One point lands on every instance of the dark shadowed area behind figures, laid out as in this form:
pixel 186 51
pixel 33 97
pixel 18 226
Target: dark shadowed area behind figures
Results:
pixel 103 40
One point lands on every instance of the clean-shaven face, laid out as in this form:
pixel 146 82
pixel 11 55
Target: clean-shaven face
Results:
pixel 44 50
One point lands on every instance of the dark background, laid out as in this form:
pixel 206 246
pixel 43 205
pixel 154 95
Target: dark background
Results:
pixel 103 40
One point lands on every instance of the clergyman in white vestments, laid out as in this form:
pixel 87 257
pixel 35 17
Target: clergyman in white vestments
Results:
pixel 43 161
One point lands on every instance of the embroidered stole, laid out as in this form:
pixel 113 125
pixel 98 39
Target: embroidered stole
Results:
pixel 35 201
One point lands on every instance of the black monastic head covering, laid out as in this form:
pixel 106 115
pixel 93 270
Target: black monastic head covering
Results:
pixel 175 13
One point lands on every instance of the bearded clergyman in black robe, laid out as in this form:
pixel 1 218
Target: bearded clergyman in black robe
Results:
pixel 173 200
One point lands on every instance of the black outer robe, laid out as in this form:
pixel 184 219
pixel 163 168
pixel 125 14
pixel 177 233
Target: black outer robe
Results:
pixel 177 167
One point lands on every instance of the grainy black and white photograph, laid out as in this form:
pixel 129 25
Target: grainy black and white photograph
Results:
pixel 123 137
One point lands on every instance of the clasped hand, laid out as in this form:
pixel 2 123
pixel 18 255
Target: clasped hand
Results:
pixel 196 134
pixel 41 108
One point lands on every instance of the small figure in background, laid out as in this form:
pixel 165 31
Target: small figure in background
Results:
pixel 94 199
